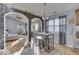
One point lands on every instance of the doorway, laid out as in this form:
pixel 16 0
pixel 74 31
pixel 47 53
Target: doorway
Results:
pixel 62 30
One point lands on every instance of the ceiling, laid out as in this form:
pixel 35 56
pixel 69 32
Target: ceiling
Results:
pixel 51 8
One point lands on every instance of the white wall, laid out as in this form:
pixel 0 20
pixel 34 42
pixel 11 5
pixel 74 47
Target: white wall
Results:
pixel 71 28
pixel 11 25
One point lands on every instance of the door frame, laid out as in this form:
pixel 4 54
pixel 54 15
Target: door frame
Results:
pixel 62 29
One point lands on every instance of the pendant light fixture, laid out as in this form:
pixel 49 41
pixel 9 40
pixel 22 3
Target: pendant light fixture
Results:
pixel 44 16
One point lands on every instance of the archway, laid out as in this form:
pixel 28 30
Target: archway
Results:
pixel 36 25
pixel 16 24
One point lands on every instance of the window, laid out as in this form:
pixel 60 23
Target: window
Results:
pixel 56 28
pixel 50 26
pixel 62 24
pixel 54 24
pixel 62 21
pixel 57 21
pixel 51 22
pixel 57 25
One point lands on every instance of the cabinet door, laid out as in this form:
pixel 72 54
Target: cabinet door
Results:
pixel 77 17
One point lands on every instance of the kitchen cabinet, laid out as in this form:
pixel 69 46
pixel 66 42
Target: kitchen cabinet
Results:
pixel 77 24
pixel 77 17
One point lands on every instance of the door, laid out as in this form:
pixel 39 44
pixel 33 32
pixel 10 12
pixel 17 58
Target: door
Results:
pixel 62 30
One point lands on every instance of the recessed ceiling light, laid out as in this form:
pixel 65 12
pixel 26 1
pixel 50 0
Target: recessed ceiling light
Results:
pixel 55 12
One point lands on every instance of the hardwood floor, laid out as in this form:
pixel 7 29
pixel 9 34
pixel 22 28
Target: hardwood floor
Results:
pixel 67 50
pixel 62 50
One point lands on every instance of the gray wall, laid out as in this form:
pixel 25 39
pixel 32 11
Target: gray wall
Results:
pixel 11 24
pixel 71 28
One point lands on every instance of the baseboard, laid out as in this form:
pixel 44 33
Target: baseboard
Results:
pixel 76 47
pixel 2 49
pixel 69 46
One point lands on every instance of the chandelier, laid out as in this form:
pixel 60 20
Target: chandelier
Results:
pixel 44 16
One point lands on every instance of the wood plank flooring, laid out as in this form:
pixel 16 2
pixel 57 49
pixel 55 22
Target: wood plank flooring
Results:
pixel 67 50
